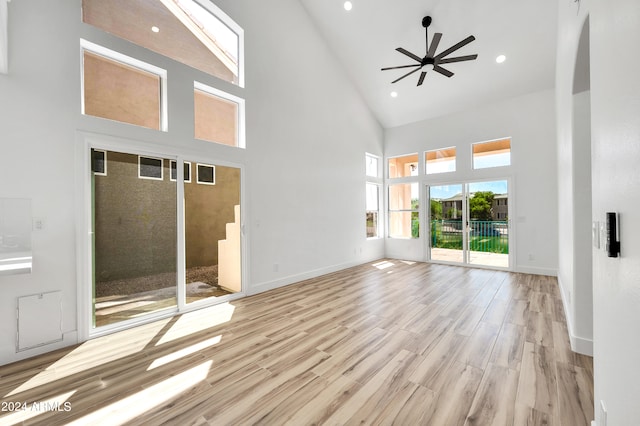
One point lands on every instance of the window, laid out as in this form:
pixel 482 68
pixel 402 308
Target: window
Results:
pixel 219 116
pixel 193 32
pixel 404 219
pixel 372 165
pixel 492 154
pixel 205 174
pixel 150 168
pixel 440 160
pixel 120 88
pixel 99 162
pixel 174 171
pixel 403 166
pixel 372 194
pixel 373 210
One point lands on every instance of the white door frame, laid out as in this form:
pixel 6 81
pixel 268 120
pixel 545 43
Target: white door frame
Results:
pixel 85 141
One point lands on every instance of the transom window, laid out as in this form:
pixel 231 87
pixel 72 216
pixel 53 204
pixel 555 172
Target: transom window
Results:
pixel 219 116
pixel 195 33
pixel 404 166
pixel 492 154
pixel 440 160
pixel 121 88
pixel 372 165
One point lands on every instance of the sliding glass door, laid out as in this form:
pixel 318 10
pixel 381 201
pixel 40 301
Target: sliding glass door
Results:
pixel 469 223
pixel 165 235
pixel 212 232
pixel 134 228
pixel 488 204
pixel 447 210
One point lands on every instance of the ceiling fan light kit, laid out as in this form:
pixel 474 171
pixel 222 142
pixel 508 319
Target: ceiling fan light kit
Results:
pixel 431 58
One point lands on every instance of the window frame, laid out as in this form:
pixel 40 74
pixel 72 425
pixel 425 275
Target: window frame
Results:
pixel 186 166
pixel 112 55
pixel 455 160
pixel 104 162
pixel 234 27
pixel 197 25
pixel 377 211
pixel 473 155
pixel 390 210
pixel 240 122
pixel 161 178
pixel 368 157
pixel 212 166
pixel 417 162
pixel 376 180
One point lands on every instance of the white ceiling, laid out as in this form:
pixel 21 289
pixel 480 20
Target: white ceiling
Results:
pixel 364 40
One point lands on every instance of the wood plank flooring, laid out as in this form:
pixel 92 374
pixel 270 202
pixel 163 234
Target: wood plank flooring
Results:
pixel 387 342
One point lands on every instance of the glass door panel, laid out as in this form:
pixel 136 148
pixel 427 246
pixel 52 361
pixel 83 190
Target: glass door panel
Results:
pixel 212 231
pixel 446 223
pixel 134 236
pixel 489 223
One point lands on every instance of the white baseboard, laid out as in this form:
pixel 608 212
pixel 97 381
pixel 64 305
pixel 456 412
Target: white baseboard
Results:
pixel 578 344
pixel 536 271
pixel 291 279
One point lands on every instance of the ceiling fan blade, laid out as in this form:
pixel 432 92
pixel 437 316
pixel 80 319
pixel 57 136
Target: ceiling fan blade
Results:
pixel 409 54
pixel 422 76
pixel 406 75
pixel 434 45
pixel 456 47
pixel 457 59
pixel 401 66
pixel 442 71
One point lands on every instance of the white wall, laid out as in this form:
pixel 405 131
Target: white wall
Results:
pixel 530 122
pixel 307 134
pixel 574 177
pixel 615 132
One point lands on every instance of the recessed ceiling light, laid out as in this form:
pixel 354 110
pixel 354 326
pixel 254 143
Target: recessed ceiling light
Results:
pixel 501 58
pixel 348 5
pixel 155 29
pixel 394 94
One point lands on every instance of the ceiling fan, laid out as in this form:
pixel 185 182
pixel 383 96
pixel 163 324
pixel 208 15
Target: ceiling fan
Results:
pixel 431 58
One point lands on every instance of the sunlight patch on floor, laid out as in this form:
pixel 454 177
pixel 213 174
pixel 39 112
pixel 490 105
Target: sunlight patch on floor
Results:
pixel 83 357
pixel 129 408
pixel 202 319
pixel 184 352
pixel 383 265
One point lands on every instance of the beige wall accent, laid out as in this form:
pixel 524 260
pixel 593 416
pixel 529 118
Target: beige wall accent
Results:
pixel 229 256
pixel 134 221
pixel 208 208
pixel 216 119
pixel 401 166
pixel 121 92
pixel 493 147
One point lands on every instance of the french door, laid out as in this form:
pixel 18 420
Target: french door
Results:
pixel 165 235
pixel 468 223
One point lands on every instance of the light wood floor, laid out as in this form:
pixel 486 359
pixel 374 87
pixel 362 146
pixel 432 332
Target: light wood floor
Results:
pixel 397 343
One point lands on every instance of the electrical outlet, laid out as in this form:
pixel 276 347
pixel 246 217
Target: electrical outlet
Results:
pixel 38 224
pixel 602 418
pixel 276 267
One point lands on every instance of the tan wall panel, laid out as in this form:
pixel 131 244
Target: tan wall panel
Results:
pixel 216 119
pixel 119 92
pixel 208 209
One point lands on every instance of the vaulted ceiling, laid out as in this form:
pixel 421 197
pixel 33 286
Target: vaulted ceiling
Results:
pixel 364 41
